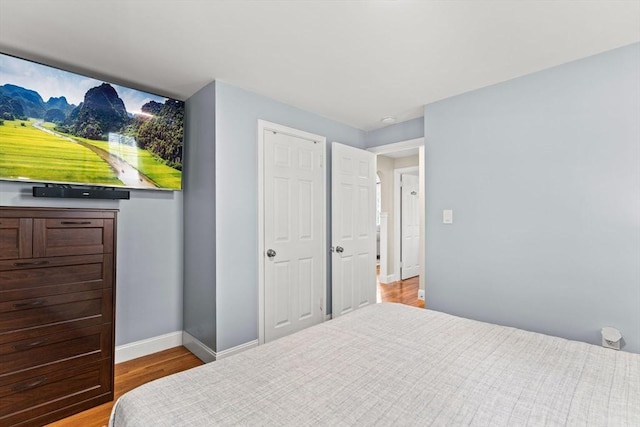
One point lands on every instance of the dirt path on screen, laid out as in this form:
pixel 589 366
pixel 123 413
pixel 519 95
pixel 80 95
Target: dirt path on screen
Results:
pixel 130 176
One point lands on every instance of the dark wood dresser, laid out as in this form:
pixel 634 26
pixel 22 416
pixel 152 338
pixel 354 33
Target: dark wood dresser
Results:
pixel 57 294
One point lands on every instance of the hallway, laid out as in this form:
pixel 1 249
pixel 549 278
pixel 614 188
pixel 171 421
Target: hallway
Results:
pixel 402 291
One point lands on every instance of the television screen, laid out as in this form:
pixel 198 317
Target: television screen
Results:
pixel 65 128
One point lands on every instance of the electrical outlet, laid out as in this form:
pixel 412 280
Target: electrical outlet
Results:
pixel 611 338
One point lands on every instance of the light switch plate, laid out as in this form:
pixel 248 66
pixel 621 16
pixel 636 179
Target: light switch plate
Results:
pixel 447 216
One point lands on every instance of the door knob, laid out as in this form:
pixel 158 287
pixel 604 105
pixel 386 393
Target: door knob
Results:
pixel 271 253
pixel 339 249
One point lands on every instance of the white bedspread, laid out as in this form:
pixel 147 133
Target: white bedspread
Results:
pixel 390 364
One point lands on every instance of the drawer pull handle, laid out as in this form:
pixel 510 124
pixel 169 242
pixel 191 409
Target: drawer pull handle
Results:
pixel 21 347
pixel 27 264
pixel 30 304
pixel 75 222
pixel 23 387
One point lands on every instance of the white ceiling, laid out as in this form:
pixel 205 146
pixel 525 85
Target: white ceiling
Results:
pixel 351 61
pixel 408 152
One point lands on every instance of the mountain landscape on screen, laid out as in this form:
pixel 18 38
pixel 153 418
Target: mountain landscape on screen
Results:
pixel 93 136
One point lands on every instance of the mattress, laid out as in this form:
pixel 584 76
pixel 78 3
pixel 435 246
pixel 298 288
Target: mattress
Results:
pixel 390 364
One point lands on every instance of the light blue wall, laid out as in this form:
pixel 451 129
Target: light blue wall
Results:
pixel 149 257
pixel 237 113
pixel 543 176
pixel 403 131
pixel 199 217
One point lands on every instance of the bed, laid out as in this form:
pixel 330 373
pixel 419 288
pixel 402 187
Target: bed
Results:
pixel 389 364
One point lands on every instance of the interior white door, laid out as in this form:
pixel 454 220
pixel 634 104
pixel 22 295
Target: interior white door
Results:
pixel 353 215
pixel 294 242
pixel 410 227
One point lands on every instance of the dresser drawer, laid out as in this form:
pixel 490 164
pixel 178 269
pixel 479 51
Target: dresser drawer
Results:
pixel 15 238
pixel 9 224
pixel 53 328
pixel 26 354
pixel 57 388
pixel 29 263
pixel 19 324
pixel 71 236
pixel 73 306
pixel 22 279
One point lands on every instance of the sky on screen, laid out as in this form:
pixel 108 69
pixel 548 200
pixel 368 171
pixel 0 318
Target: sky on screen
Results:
pixel 52 82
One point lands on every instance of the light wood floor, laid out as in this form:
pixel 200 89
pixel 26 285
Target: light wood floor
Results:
pixel 131 374
pixel 403 291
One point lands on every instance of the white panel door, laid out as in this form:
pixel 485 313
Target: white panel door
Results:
pixel 410 227
pixel 353 213
pixel 294 206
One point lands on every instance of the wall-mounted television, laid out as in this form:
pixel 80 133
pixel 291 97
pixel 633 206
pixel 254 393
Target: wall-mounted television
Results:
pixel 58 127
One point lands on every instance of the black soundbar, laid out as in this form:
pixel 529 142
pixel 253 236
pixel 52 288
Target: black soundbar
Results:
pixel 80 193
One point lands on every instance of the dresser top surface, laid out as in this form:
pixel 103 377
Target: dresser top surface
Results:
pixel 18 211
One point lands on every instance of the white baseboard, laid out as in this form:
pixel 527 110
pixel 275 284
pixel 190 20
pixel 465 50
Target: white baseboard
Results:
pixel 421 294
pixel 196 347
pixel 388 279
pixel 206 354
pixel 174 339
pixel 235 350
pixel 150 345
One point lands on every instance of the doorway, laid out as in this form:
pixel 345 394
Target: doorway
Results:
pixel 400 272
